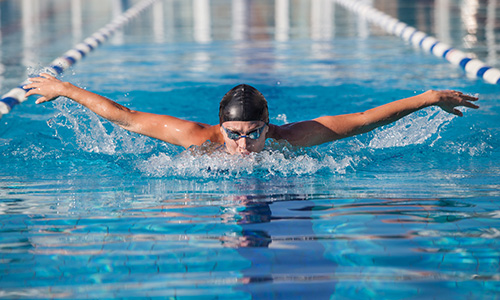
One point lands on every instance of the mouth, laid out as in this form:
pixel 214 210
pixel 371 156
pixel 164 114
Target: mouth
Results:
pixel 244 152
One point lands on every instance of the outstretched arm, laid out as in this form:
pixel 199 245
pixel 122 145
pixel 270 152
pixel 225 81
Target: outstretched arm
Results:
pixel 330 128
pixel 167 128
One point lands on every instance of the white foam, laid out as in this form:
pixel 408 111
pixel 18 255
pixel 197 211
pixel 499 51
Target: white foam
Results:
pixel 75 124
pixel 82 128
pixel 412 130
pixel 280 161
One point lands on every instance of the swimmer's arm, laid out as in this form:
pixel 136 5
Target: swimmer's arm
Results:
pixel 330 128
pixel 167 128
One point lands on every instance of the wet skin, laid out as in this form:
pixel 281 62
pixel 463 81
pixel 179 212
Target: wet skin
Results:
pixel 303 133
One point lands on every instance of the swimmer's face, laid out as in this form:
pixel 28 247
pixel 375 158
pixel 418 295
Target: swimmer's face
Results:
pixel 240 136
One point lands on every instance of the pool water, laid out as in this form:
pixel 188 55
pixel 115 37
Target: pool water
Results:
pixel 88 210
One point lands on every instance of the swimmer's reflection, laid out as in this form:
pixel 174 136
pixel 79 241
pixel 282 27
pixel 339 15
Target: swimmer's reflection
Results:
pixel 247 212
pixel 278 263
pixel 247 238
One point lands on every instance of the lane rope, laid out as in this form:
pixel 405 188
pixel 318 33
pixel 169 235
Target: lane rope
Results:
pixel 422 40
pixel 17 95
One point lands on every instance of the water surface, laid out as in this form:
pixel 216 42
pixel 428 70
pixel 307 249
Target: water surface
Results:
pixel 410 210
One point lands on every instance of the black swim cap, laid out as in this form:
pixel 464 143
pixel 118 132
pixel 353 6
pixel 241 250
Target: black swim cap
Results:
pixel 243 103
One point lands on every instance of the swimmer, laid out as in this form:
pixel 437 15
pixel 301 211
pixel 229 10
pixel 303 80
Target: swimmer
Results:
pixel 244 118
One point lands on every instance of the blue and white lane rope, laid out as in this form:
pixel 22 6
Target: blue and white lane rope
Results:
pixel 420 39
pixel 58 65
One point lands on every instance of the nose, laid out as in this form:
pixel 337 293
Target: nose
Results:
pixel 242 143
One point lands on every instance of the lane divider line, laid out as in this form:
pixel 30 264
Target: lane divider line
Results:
pixel 17 95
pixel 422 40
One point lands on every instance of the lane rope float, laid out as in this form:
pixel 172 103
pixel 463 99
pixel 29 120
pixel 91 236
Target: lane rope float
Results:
pixel 17 95
pixel 422 40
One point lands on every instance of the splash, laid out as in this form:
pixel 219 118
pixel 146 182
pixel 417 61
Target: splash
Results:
pixel 412 130
pixel 274 161
pixel 85 131
pixel 75 124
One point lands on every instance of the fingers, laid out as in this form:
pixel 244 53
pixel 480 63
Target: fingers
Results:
pixel 43 77
pixel 29 93
pixel 462 95
pixel 465 100
pixel 35 81
pixel 469 98
pixel 45 96
pixel 41 100
pixel 471 105
pixel 450 100
pixel 457 112
pixel 33 89
pixel 38 84
pixel 41 85
pixel 29 86
pixel 47 75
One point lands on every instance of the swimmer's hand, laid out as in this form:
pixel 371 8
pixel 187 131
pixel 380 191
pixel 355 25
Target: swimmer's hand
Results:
pixel 47 86
pixel 448 101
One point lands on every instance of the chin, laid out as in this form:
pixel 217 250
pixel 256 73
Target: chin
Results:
pixel 242 151
pixel 239 151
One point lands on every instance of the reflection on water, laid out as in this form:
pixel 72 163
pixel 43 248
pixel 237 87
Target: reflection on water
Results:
pixel 255 245
pixel 409 211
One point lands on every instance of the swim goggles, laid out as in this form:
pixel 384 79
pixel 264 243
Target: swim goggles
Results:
pixel 254 134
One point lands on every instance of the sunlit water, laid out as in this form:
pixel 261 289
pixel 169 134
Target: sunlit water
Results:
pixel 409 211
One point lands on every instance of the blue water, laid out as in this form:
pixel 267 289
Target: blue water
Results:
pixel 408 211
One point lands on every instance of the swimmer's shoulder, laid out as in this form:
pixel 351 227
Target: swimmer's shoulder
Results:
pixel 215 135
pixel 203 132
pixel 279 133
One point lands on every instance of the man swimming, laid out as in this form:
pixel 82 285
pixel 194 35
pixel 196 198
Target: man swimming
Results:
pixel 244 118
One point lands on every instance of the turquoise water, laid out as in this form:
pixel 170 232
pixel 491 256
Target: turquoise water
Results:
pixel 409 211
